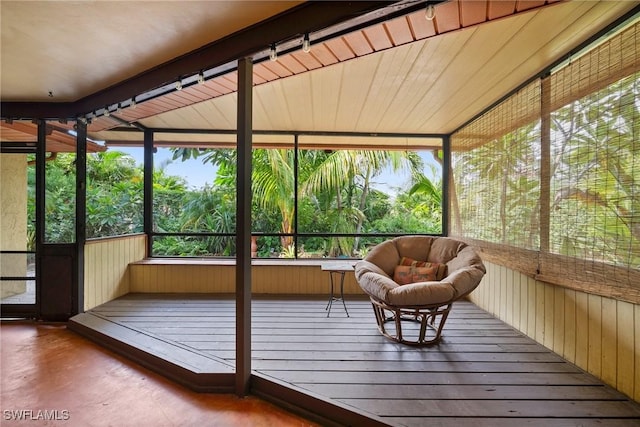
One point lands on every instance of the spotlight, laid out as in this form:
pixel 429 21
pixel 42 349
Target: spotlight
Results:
pixel 430 12
pixel 306 44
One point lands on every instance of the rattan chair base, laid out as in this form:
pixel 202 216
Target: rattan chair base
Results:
pixel 431 319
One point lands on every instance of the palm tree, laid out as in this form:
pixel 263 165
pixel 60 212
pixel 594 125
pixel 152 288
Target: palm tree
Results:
pixel 338 183
pixel 348 174
pixel 273 186
pixel 211 209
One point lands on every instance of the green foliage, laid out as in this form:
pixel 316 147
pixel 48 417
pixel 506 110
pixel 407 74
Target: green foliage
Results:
pixel 594 204
pixel 412 213
pixel 334 196
pixel 114 195
pixel 59 199
pixel 595 184
pixel 180 246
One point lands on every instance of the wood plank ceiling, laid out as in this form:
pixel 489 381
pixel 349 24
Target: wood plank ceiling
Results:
pixel 449 16
pixel 406 75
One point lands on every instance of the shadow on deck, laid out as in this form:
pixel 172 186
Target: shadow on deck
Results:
pixel 339 370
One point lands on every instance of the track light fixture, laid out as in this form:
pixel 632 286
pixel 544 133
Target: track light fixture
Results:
pixel 273 55
pixel 107 113
pixel 306 43
pixel 430 12
pixel 133 104
pixel 179 85
pixel 201 78
pixel 118 108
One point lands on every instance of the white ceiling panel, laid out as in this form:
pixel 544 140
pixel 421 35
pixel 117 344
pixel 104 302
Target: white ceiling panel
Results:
pixel 74 48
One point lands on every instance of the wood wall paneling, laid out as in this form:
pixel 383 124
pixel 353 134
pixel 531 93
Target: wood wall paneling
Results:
pixel 636 353
pixel 625 345
pixel 609 344
pixel 594 359
pixel 598 334
pixel 570 337
pixel 106 267
pixel 213 277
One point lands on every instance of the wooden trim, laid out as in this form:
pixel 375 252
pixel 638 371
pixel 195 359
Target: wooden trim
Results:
pixel 98 240
pixel 545 162
pixel 243 233
pixel 524 261
pixel 179 365
pixel 591 277
pixel 148 189
pixel 280 262
pixel 447 184
pixel 77 293
pixel 41 159
pixel 275 145
pixel 310 405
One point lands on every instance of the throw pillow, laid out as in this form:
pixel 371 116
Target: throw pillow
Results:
pixel 425 274
pixel 441 269
pixel 412 262
pixel 403 275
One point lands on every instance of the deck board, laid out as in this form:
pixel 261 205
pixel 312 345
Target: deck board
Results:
pixel 483 373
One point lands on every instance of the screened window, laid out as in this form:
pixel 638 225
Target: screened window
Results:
pixel 329 198
pixel 552 175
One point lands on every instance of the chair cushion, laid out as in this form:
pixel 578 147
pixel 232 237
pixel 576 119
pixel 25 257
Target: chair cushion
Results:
pixel 380 274
pixel 422 293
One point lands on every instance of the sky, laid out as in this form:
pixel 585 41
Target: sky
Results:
pixel 198 174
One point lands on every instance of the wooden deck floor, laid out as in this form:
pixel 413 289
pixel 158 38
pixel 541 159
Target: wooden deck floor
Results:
pixel 483 373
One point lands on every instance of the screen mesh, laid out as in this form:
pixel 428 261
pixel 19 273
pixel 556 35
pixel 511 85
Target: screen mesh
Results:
pixel 495 173
pixel 553 172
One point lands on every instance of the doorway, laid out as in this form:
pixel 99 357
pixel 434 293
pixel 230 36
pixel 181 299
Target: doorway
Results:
pixel 18 258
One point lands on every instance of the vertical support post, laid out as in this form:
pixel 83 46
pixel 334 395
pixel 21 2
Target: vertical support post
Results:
pixel 446 176
pixel 295 193
pixel 148 190
pixel 545 164
pixel 77 297
pixel 243 230
pixel 41 152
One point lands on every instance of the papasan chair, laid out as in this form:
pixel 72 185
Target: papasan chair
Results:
pixel 415 280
